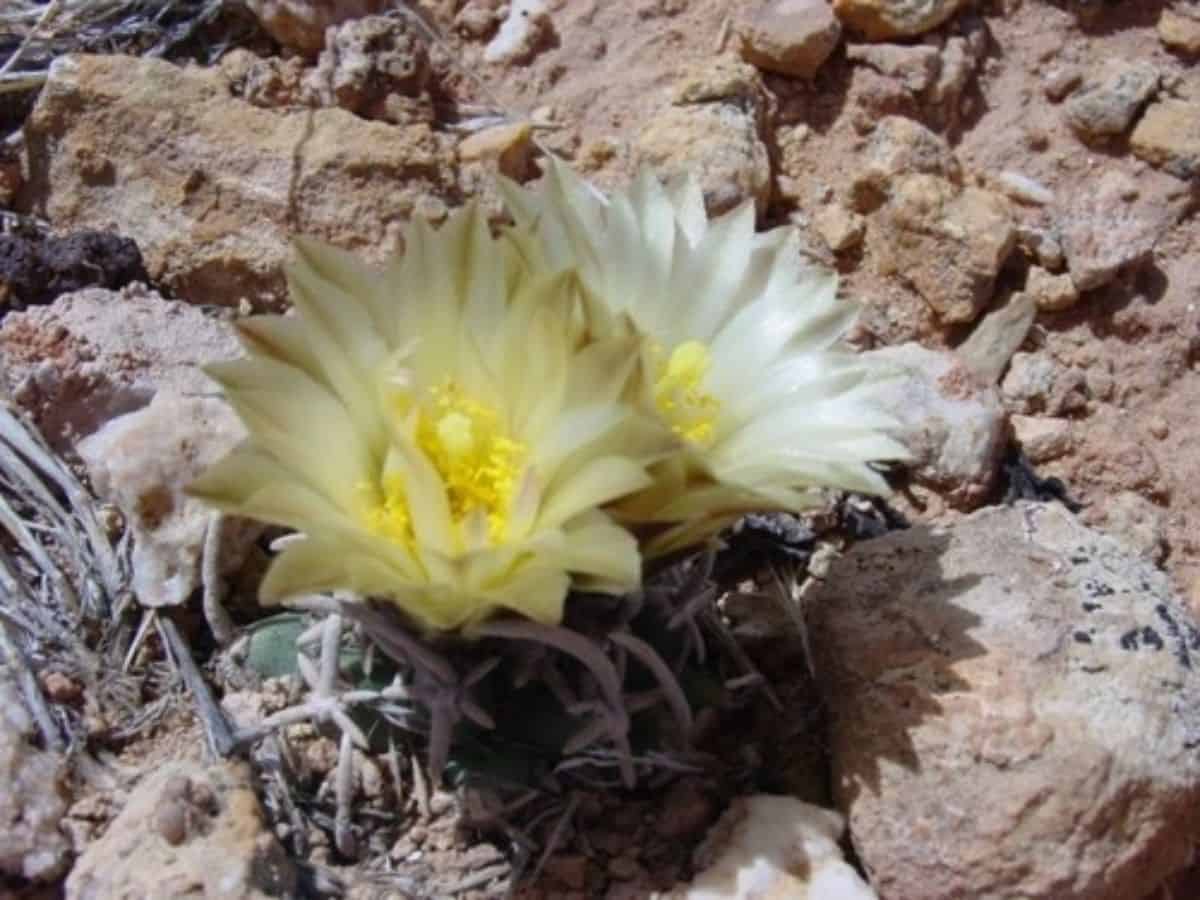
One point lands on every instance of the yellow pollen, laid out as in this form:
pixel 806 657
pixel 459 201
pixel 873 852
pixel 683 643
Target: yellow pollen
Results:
pixel 680 396
pixel 478 462
pixel 386 509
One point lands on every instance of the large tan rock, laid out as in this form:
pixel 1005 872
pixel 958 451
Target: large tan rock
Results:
pixel 1015 710
pixel 187 831
pixel 881 20
pixel 211 187
pixel 1168 136
pixel 947 242
pixel 791 37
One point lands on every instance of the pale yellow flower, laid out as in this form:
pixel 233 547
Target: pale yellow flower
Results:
pixel 740 356
pixel 436 433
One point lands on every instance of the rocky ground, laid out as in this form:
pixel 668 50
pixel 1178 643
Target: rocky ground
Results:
pixel 1002 700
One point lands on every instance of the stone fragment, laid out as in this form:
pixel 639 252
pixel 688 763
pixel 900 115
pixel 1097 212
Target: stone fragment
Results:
pixel 301 24
pixel 1023 189
pixel 769 846
pixel 1168 136
pixel 94 355
pixel 947 242
pixel 1137 522
pixel 882 20
pixel 712 131
pixel 1108 106
pixel 1043 244
pixel 839 227
pixel 951 422
pixel 141 463
pixel 1042 438
pixel 900 146
pixel 916 67
pixel 477 19
pixel 1036 383
pixel 1051 293
pixel 1060 81
pixel 187 831
pixel 524 32
pixel 33 799
pixel 509 146
pixel 1179 31
pixel 791 37
pixel 1024 661
pixel 213 199
pixel 993 341
pixel 366 62
pixel 1116 223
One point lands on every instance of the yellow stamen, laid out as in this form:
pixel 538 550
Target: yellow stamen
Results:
pixel 680 396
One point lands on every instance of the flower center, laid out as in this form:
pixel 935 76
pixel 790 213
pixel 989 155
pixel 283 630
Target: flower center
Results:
pixel 478 462
pixel 680 396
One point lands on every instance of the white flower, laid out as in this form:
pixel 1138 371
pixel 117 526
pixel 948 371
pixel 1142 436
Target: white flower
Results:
pixel 740 356
pixel 436 432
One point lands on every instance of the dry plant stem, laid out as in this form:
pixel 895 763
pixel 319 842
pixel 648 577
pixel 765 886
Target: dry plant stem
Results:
pixel 220 737
pixel 31 692
pixel 52 9
pixel 343 835
pixel 556 835
pixel 213 585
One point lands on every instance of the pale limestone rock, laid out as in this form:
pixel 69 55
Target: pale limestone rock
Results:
pixel 881 20
pixel 1109 105
pixel 791 37
pixel 1179 30
pixel 141 462
pixel 839 227
pixel 93 355
pixel 900 146
pixel 916 67
pixel 1037 383
pixel 1051 293
pixel 211 187
pixel 1043 438
pixel 950 420
pixel 768 846
pixel 947 242
pixel 1015 706
pixel 1116 223
pixel 1168 136
pixel 1137 522
pixel 32 797
pixel 525 30
pixel 993 341
pixel 509 146
pixel 187 830
pixel 712 130
pixel 367 62
pixel 301 24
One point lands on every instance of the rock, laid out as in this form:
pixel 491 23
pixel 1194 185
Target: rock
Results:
pixel 1043 244
pixel 141 462
pixel 34 799
pixel 957 63
pixel 1168 136
pixel 1036 383
pixel 713 132
pixel 95 355
pixel 368 61
pixel 1051 293
pixel 509 146
pixel 882 20
pixel 1023 189
pixel 1115 224
pixel 947 242
pixel 301 24
pixel 791 37
pixel 271 83
pixel 1107 107
pixel 900 146
pixel 526 30
pixel 36 269
pixel 687 808
pixel 214 197
pixel 1042 438
pixel 477 19
pixel 1008 697
pixel 839 227
pixel 1060 81
pixel 187 831
pixel 1137 522
pixel 768 846
pixel 916 67
pixel 1179 31
pixel 992 343
pixel 951 422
